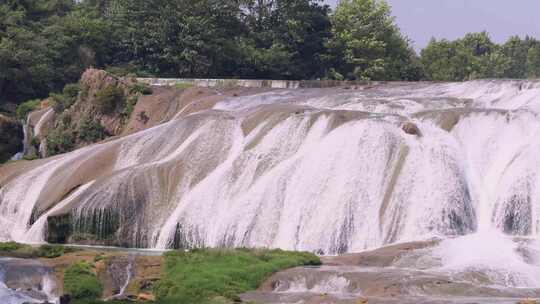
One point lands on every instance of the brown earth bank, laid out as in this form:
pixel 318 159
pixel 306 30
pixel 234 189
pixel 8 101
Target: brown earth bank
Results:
pixel 113 268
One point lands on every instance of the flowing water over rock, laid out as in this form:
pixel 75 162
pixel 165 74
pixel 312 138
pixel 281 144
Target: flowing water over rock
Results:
pixel 324 170
pixel 26 281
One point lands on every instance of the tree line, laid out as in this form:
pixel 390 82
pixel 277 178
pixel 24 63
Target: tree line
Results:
pixel 45 44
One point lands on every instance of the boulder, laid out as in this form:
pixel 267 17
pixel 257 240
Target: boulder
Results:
pixel 411 129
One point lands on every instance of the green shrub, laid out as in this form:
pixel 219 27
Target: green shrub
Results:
pixel 201 275
pixel 10 246
pixel 80 282
pixel 335 75
pixel 13 249
pixel 141 88
pixel 65 119
pixel 128 70
pixel 109 99
pixel 130 107
pixel 57 102
pixel 63 101
pixel 51 251
pixel 35 142
pixel 26 107
pixel 71 90
pixel 91 130
pixel 26 251
pixel 60 141
pixel 122 70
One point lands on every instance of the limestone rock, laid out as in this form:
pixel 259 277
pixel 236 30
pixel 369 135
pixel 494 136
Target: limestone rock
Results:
pixel 411 128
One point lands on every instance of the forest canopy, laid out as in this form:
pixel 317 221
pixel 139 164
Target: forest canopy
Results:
pixel 45 44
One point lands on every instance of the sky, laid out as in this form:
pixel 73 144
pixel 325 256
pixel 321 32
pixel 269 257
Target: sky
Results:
pixel 422 19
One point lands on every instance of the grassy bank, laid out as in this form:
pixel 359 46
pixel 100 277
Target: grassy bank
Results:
pixel 16 250
pixel 219 276
pixel 81 282
pixel 200 276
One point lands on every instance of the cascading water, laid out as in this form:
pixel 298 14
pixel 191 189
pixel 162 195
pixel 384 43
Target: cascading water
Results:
pixel 26 281
pixel 324 170
pixel 26 143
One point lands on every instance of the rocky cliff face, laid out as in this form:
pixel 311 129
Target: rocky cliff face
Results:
pixel 105 106
pixel 102 104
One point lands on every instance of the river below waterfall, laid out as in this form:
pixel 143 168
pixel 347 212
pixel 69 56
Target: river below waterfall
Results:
pixel 26 281
pixel 471 269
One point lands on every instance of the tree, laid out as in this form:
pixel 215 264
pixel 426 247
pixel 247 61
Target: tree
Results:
pixel 366 43
pixel 45 44
pixel 180 38
pixel 479 44
pixel 445 60
pixel 472 57
pixel 533 62
pixel 285 38
pixel 517 50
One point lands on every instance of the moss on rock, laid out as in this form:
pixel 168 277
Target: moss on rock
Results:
pixel 59 229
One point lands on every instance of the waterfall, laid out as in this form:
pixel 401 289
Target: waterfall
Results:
pixel 26 142
pixel 129 273
pixel 324 170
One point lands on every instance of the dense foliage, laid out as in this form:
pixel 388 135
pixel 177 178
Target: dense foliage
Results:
pixel 205 275
pixel 45 44
pixel 366 44
pixel 11 135
pixel 476 56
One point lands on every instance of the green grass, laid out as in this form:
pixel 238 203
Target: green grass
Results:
pixel 12 249
pixel 11 246
pixel 205 275
pixel 80 282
